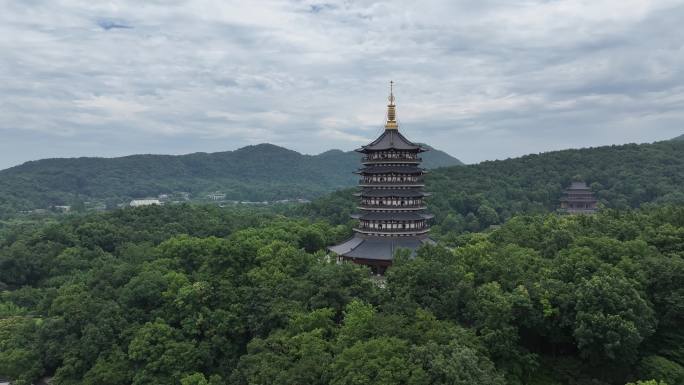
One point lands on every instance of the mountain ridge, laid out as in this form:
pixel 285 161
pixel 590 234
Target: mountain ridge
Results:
pixel 256 173
pixel 451 162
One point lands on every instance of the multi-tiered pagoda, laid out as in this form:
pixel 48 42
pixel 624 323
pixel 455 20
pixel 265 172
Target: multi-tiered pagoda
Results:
pixel 391 205
pixel 578 199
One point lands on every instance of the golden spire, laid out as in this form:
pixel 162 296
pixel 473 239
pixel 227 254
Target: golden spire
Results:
pixel 391 111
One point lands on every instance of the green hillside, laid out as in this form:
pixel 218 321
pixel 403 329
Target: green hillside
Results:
pixel 474 197
pixel 197 294
pixel 261 172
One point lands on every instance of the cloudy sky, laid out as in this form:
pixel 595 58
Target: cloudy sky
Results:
pixel 480 79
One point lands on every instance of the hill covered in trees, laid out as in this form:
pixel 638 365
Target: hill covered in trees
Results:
pixel 194 295
pixel 261 172
pixel 474 197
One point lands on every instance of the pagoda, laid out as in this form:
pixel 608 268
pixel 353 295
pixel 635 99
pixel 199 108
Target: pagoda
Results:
pixel 578 199
pixel 391 200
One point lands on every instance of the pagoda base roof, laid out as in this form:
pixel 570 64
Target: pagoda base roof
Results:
pixel 368 247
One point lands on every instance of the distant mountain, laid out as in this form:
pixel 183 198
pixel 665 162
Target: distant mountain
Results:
pixel 260 172
pixel 436 158
pixel 474 197
pixel 680 137
pixel 621 176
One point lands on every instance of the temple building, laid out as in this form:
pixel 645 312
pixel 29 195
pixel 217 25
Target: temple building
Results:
pixel 578 199
pixel 391 200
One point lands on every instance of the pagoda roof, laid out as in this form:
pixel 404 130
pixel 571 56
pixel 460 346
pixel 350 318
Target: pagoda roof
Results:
pixel 392 169
pixel 391 139
pixel 377 248
pixel 411 192
pixel 392 216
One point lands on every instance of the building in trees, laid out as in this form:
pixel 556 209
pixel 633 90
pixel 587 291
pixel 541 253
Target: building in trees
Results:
pixel 391 200
pixel 144 202
pixel 578 199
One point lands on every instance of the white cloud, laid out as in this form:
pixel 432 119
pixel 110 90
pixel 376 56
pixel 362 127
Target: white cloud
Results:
pixel 480 79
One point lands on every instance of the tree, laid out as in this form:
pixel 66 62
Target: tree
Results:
pixel 380 361
pixel 112 368
pixel 612 318
pixel 456 364
pixel 161 356
pixel 662 369
pixel 19 355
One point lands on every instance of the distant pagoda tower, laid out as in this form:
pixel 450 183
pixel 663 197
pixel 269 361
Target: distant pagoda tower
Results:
pixel 578 199
pixel 392 206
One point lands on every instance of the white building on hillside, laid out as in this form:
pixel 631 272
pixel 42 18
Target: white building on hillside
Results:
pixel 144 202
pixel 217 196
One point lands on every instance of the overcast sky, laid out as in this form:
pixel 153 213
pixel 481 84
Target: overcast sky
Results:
pixel 479 79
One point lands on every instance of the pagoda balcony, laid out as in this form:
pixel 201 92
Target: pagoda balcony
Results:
pixel 394 232
pixel 391 184
pixel 568 210
pixel 579 199
pixel 391 207
pixel 366 160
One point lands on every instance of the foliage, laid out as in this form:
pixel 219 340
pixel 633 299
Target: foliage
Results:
pixel 621 177
pixel 472 198
pixel 240 174
pixel 649 382
pixel 201 295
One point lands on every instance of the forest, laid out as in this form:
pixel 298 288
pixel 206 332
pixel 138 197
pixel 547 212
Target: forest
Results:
pixel 203 295
pixel 513 294
pixel 474 197
pixel 240 174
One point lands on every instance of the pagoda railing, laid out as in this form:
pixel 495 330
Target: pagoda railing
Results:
pixel 392 231
pixel 388 181
pixel 367 159
pixel 392 184
pixel 579 198
pixel 393 226
pixel 392 207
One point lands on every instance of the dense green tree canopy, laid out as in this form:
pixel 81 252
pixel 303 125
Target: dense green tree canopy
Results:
pixel 203 295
